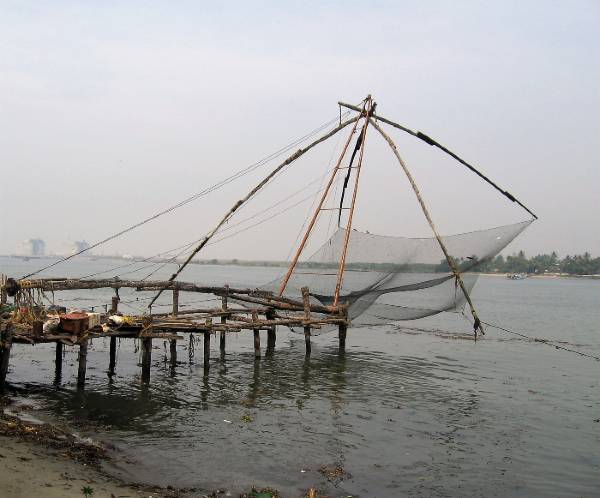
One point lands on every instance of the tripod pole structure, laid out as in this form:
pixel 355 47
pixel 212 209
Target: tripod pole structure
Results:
pixel 313 220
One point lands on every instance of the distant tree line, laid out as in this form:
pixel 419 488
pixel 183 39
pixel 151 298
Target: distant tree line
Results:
pixel 579 264
pixel 582 264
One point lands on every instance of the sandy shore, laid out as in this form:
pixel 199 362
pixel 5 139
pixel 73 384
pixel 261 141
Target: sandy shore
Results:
pixel 28 470
pixel 38 459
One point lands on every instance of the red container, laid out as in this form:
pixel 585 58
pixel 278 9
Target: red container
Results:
pixel 74 323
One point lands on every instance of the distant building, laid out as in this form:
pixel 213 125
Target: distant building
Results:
pixel 33 247
pixel 78 246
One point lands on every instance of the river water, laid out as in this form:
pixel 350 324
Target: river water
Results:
pixel 416 409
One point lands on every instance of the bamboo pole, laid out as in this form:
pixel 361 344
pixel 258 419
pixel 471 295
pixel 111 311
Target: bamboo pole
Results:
pixel 317 211
pixel 250 194
pixel 477 323
pixel 340 279
pixel 265 298
pixel 430 141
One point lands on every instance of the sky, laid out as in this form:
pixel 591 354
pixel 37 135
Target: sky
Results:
pixel 113 111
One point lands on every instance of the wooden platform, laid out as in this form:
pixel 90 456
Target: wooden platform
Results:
pixel 254 310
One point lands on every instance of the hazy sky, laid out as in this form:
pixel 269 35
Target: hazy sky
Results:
pixel 111 111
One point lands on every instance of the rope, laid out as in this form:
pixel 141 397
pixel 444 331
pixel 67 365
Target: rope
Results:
pixel 547 342
pixel 192 198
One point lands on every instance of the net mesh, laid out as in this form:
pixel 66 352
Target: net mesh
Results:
pixel 389 278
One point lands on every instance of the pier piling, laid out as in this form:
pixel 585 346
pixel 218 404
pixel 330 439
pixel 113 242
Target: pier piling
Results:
pixel 173 351
pixel 83 348
pixel 342 336
pixel 207 344
pixel 306 301
pixel 223 321
pixel 5 346
pixel 271 332
pixel 38 329
pixel 146 349
pixel 112 360
pixel 58 359
pixel 173 342
pixel 146 359
pixel 256 335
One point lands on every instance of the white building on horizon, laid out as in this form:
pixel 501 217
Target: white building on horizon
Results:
pixel 32 247
pixel 77 246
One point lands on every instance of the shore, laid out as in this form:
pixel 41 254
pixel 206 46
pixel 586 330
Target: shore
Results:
pixel 29 470
pixel 42 460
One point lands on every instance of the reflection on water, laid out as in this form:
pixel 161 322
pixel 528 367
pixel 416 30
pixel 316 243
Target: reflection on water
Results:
pixel 268 420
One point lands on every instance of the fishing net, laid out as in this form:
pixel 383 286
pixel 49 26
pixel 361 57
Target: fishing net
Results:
pixel 389 279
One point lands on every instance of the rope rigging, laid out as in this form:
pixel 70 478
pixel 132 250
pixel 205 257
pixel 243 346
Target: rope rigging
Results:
pixel 188 245
pixel 192 198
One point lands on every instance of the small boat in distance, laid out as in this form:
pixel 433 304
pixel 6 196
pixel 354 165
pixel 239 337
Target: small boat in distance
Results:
pixel 516 276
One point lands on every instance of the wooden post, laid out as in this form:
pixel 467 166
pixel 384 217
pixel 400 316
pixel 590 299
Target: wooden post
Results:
pixel 173 342
pixel 271 332
pixel 146 351
pixel 222 333
pixel 83 347
pixel 5 346
pixel 256 335
pixel 112 360
pixel 3 295
pixel 306 301
pixel 207 343
pixel 173 351
pixel 112 351
pixel 175 302
pixel 38 329
pixel 58 361
pixel 342 329
pixel 146 358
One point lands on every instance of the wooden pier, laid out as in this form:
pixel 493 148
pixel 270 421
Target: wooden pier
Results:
pixel 254 310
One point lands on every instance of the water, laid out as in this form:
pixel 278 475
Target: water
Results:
pixel 415 410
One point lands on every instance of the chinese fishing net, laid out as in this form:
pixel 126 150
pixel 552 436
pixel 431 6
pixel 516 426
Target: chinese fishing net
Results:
pixel 389 279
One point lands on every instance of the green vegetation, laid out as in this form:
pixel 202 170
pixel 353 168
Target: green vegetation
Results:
pixel 87 491
pixel 580 264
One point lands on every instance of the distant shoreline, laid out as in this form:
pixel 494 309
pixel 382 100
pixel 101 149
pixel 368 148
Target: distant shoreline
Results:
pixel 279 264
